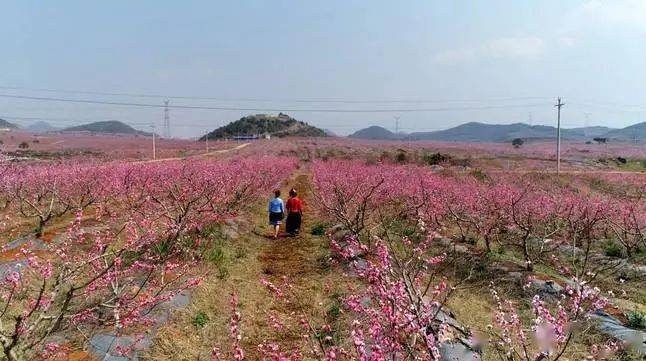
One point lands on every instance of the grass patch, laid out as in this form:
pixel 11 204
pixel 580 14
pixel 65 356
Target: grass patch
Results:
pixel 215 255
pixel 324 261
pixel 634 165
pixel 318 229
pixel 241 252
pixel 200 319
pixel 613 249
pixel 636 320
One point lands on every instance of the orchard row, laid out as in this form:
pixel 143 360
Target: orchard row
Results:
pixel 136 233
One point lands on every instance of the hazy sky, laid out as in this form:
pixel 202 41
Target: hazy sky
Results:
pixel 501 59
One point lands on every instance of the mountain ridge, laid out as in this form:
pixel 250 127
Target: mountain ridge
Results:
pixel 482 132
pixel 374 132
pixel 629 133
pixel 7 125
pixel 41 127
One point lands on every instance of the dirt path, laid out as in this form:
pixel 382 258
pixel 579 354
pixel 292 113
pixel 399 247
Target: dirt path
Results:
pixel 215 152
pixel 286 256
pixel 292 260
pixel 221 151
pixel 315 289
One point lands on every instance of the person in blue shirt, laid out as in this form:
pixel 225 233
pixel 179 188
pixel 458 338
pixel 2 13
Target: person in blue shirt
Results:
pixel 276 212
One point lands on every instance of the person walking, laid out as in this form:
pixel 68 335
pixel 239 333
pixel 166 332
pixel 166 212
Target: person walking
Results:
pixel 276 212
pixel 294 213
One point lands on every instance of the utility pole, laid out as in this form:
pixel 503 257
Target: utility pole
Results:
pixel 558 136
pixel 397 126
pixel 530 118
pixel 207 142
pixel 166 120
pixel 154 149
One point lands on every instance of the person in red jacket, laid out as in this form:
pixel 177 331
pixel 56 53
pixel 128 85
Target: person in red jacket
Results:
pixel 294 209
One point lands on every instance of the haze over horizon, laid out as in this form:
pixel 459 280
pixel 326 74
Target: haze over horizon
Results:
pixel 434 64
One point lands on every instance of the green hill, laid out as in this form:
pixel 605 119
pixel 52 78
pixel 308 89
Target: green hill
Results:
pixel 110 127
pixel 280 125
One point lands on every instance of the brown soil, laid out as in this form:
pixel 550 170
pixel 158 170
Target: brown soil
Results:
pixel 299 261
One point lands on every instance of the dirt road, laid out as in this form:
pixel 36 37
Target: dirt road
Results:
pixel 215 152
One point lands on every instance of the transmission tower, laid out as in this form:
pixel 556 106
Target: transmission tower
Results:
pixel 397 126
pixel 587 119
pixel 166 120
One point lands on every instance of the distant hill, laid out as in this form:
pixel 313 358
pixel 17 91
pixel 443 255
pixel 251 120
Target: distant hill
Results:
pixel 40 127
pixel 480 132
pixel 280 125
pixel 633 132
pixel 109 126
pixel 589 132
pixel 374 133
pixel 330 133
pixel 6 125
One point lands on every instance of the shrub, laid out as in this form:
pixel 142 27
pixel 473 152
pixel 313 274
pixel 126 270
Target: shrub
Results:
pixel 200 320
pixel 636 320
pixel 401 157
pixel 372 159
pixel 409 231
pixel 517 142
pixel 23 145
pixel 471 240
pixel 435 158
pixel 318 229
pixel 479 174
pixel 613 249
pixel 385 156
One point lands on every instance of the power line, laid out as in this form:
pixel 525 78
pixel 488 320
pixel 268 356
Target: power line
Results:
pixel 308 110
pixel 592 102
pixel 609 108
pixel 224 99
pixel 50 119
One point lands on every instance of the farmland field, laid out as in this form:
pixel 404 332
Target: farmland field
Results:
pixel 408 250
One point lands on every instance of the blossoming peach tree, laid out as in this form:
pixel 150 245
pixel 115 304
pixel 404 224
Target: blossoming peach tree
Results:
pixel 125 253
pixel 398 310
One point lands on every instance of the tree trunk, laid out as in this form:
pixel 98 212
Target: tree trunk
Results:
pixel 528 262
